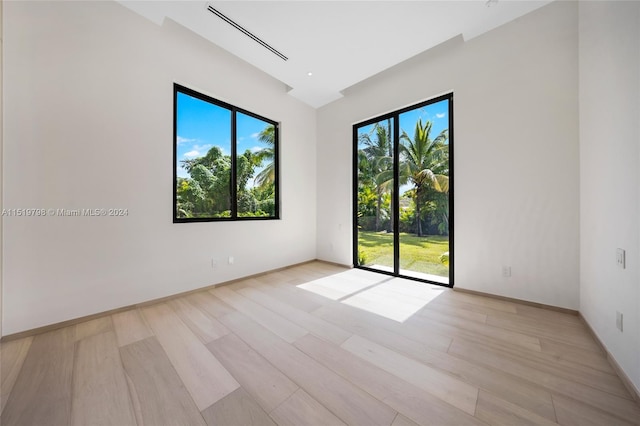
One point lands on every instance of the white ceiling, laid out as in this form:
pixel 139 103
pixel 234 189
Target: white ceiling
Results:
pixel 340 42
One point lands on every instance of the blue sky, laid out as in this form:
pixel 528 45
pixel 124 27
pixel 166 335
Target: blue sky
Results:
pixel 199 129
pixel 437 113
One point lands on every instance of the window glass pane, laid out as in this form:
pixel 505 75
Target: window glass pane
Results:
pixel 203 159
pixel 256 166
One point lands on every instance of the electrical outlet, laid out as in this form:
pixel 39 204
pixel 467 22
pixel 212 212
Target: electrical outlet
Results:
pixel 620 258
pixel 214 263
pixel 231 260
pixel 506 271
pixel 619 320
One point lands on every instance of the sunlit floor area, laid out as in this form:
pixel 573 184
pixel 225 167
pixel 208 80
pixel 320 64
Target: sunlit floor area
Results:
pixel 393 298
pixel 317 344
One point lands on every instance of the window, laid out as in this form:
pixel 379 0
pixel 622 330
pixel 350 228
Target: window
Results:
pixel 403 192
pixel 225 161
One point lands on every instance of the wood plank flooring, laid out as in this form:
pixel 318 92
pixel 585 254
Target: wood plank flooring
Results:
pixel 157 393
pixel 99 383
pixel 315 345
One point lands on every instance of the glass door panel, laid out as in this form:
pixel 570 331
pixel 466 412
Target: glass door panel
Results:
pixel 374 195
pixel 424 192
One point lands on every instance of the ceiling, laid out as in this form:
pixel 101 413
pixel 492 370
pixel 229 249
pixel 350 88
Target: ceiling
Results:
pixel 332 45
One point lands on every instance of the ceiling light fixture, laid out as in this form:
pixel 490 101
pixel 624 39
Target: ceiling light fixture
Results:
pixel 246 32
pixel 309 73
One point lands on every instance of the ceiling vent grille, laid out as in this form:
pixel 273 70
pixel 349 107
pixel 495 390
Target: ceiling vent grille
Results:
pixel 246 32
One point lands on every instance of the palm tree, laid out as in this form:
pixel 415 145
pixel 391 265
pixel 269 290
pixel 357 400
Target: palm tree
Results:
pixel 379 151
pixel 268 175
pixel 424 162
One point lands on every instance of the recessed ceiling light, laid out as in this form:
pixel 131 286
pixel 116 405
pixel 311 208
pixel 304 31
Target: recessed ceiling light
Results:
pixel 309 73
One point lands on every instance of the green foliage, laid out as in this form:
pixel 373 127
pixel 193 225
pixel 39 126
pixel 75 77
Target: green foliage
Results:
pixel 267 176
pixel 367 201
pixel 407 218
pixel 444 258
pixel 362 258
pixel 207 190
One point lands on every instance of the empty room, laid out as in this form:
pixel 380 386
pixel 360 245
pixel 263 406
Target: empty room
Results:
pixel 320 213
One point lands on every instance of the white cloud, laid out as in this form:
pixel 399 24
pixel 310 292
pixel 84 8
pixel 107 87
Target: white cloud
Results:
pixel 440 115
pixel 182 172
pixel 256 149
pixel 255 135
pixel 192 154
pixel 202 148
pixel 184 140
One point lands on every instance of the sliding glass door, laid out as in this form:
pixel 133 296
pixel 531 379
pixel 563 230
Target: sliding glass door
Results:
pixel 403 182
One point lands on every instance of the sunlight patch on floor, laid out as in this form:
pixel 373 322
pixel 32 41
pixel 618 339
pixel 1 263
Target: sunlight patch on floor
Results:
pixel 393 298
pixel 341 285
pixel 397 299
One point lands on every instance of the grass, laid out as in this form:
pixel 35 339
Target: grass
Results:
pixel 419 254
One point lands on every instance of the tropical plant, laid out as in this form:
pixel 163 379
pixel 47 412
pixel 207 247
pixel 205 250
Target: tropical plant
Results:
pixel 268 174
pixel 362 257
pixel 424 162
pixel 378 152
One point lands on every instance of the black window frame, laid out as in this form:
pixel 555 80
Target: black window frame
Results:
pixel 234 110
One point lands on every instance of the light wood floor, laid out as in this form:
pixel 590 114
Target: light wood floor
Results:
pixel 317 345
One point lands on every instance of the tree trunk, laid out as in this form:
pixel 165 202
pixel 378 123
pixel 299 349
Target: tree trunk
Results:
pixel 391 213
pixel 419 222
pixel 378 207
pixel 392 207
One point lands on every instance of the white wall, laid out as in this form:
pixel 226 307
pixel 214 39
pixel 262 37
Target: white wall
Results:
pixel 516 153
pixel 609 177
pixel 88 124
pixel 1 184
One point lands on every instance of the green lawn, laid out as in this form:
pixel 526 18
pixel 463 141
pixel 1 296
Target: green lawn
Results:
pixel 420 254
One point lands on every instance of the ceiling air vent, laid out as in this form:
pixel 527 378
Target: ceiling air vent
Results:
pixel 246 32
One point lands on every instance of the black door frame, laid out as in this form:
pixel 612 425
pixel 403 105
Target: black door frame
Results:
pixel 395 115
